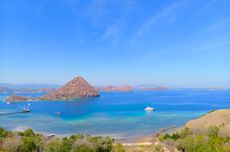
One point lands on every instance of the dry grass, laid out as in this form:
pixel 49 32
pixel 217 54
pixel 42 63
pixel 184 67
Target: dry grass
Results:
pixel 139 148
pixel 219 118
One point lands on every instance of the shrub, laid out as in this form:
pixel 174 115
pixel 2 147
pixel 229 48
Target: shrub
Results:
pixel 76 137
pixel 213 131
pixel 28 145
pixel 66 145
pixel 81 148
pixel 28 141
pixel 104 144
pixel 158 148
pixel 53 146
pixel 1 130
pixel 174 137
pixel 119 148
pixel 28 133
pixel 10 145
pixel 207 142
pixel 211 111
pixel 185 132
pixel 166 136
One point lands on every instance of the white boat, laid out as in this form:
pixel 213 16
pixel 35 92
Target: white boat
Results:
pixel 58 113
pixel 7 102
pixel 51 135
pixel 26 110
pixel 149 109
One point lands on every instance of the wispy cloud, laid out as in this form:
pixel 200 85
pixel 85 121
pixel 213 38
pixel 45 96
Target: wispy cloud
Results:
pixel 221 24
pixel 112 29
pixel 102 17
pixel 210 47
pixel 114 32
pixel 167 13
pixel 208 5
pixel 153 55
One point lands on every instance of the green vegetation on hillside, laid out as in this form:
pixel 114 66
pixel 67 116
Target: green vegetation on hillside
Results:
pixel 28 141
pixel 188 141
pixel 184 140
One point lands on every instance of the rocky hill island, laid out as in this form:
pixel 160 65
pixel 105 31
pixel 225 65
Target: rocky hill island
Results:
pixel 76 88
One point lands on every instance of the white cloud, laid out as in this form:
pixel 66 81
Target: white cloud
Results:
pixel 221 24
pixel 167 13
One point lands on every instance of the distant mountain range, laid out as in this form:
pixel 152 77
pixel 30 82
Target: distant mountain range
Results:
pixel 34 88
pixel 110 88
pixel 29 86
pixel 5 90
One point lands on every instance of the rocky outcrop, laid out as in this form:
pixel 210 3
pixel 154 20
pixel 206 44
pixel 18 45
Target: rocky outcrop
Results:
pixel 14 98
pixel 76 88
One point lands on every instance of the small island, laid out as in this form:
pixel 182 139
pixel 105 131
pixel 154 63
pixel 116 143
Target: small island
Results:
pixel 15 97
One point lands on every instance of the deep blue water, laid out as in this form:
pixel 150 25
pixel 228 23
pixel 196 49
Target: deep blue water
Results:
pixel 117 114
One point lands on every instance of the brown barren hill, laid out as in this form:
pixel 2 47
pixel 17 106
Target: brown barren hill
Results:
pixel 14 97
pixel 76 88
pixel 219 118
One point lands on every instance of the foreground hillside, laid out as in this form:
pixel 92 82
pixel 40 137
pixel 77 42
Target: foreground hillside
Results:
pixel 28 141
pixel 218 118
pixel 209 133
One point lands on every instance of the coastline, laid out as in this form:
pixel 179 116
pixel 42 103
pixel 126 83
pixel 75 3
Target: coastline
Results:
pixel 134 140
pixel 152 141
pixel 141 140
pixel 215 121
pixel 153 136
pixel 169 130
pixel 131 139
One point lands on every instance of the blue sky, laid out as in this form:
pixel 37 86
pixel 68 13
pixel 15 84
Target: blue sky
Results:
pixel 166 42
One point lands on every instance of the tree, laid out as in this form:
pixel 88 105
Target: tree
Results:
pixel 28 145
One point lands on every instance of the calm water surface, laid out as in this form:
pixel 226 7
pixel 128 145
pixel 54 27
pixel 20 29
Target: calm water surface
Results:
pixel 117 114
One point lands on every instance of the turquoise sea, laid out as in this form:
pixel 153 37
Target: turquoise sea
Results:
pixel 117 114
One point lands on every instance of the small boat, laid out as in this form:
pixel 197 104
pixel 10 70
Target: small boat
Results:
pixel 51 135
pixel 7 102
pixel 26 110
pixel 58 113
pixel 149 109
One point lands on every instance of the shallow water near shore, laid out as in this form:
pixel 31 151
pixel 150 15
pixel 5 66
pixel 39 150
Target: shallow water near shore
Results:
pixel 117 114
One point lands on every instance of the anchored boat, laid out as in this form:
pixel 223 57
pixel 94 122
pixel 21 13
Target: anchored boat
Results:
pixel 149 109
pixel 25 110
